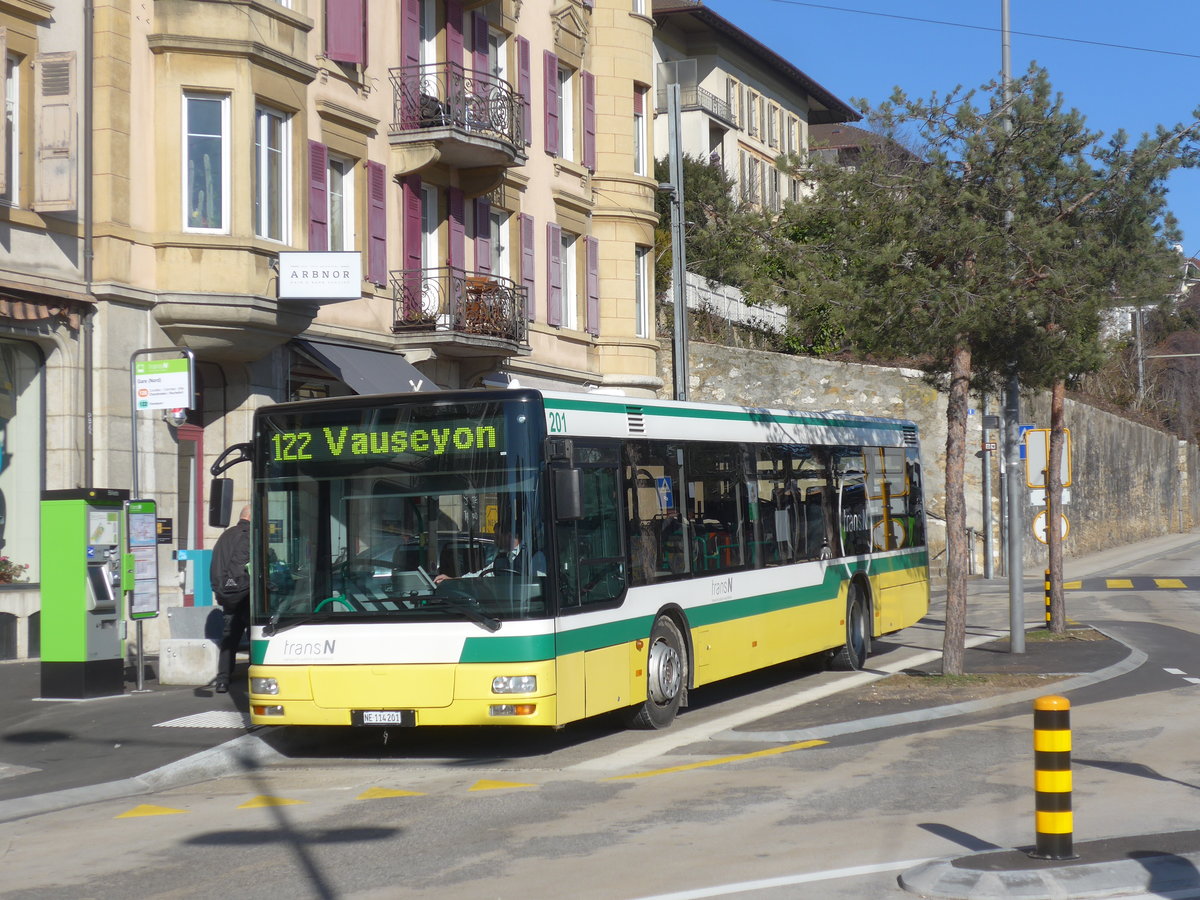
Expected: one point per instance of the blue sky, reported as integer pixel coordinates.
(865, 48)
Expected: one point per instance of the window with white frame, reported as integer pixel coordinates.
(271, 177)
(341, 203)
(570, 286)
(498, 55)
(640, 149)
(429, 31)
(566, 114)
(641, 291)
(501, 252)
(430, 217)
(205, 162)
(12, 122)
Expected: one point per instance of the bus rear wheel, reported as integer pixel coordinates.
(666, 677)
(853, 655)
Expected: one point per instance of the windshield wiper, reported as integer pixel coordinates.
(468, 607)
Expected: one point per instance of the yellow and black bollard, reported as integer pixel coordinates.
(1047, 598)
(1052, 778)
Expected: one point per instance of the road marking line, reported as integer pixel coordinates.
(485, 785)
(668, 741)
(1193, 680)
(1118, 583)
(148, 809)
(263, 800)
(783, 881)
(773, 751)
(217, 718)
(378, 793)
(1169, 583)
(1174, 671)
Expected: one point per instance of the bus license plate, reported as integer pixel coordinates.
(405, 718)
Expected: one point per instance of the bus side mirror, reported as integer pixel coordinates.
(220, 502)
(568, 495)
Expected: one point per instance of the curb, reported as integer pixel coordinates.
(243, 753)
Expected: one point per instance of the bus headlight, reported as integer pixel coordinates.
(514, 684)
(264, 686)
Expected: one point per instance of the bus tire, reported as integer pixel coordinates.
(666, 677)
(852, 656)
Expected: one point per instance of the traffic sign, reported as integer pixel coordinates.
(1039, 526)
(1037, 457)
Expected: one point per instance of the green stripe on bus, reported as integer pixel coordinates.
(522, 648)
(726, 415)
(258, 652)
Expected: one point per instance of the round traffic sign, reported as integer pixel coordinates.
(1039, 526)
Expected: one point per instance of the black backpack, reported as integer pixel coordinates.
(229, 574)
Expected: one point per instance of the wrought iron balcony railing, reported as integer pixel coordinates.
(452, 299)
(447, 95)
(694, 97)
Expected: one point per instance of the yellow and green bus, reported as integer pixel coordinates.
(522, 557)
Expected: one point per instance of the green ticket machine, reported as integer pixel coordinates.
(83, 576)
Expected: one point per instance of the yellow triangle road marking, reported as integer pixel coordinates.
(485, 785)
(147, 809)
(378, 793)
(263, 800)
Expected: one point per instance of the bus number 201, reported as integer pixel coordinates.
(558, 422)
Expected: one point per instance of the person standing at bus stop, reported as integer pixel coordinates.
(230, 577)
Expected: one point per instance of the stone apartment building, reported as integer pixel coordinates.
(487, 167)
(742, 104)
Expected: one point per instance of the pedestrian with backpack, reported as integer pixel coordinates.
(230, 577)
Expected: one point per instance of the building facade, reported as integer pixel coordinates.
(742, 104)
(485, 166)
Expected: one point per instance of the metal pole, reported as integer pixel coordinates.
(986, 480)
(678, 253)
(1012, 409)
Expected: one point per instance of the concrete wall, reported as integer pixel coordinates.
(1130, 482)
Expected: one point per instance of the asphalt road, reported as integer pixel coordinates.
(706, 808)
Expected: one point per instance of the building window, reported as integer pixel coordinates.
(430, 217)
(570, 286)
(341, 203)
(501, 252)
(205, 161)
(566, 115)
(271, 174)
(752, 113)
(641, 292)
(640, 150)
(12, 120)
(773, 126)
(21, 452)
(429, 32)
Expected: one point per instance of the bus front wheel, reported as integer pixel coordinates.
(853, 656)
(666, 677)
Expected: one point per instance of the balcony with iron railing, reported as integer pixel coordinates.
(463, 313)
(470, 119)
(695, 97)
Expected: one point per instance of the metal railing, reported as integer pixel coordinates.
(447, 95)
(454, 300)
(695, 97)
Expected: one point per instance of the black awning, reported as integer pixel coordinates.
(369, 371)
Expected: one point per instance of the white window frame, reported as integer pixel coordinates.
(341, 234)
(570, 280)
(501, 251)
(185, 181)
(640, 137)
(430, 220)
(498, 55)
(429, 32)
(12, 147)
(641, 292)
(272, 173)
(566, 114)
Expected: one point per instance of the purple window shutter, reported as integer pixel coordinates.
(344, 32)
(528, 261)
(454, 31)
(377, 223)
(458, 229)
(525, 89)
(411, 244)
(550, 71)
(483, 234)
(479, 42)
(588, 82)
(410, 56)
(318, 196)
(593, 285)
(554, 283)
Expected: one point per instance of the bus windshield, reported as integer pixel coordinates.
(417, 511)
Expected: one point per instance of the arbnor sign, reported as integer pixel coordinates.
(320, 276)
